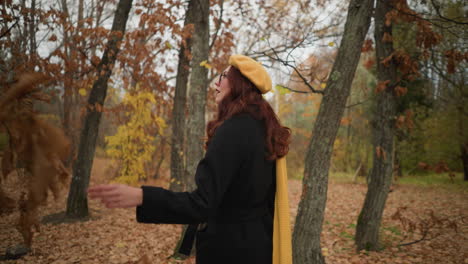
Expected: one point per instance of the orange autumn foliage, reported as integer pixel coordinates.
(382, 86)
(41, 147)
(367, 46)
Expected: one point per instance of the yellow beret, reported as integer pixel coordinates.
(253, 70)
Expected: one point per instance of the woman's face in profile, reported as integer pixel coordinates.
(222, 86)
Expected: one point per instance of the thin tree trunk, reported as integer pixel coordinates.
(77, 206)
(308, 227)
(158, 167)
(348, 153)
(464, 157)
(32, 31)
(198, 14)
(397, 162)
(462, 110)
(179, 109)
(356, 173)
(197, 90)
(68, 101)
(383, 130)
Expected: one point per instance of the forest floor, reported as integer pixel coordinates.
(113, 236)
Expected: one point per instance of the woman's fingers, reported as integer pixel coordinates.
(101, 191)
(113, 205)
(117, 195)
(101, 188)
(111, 199)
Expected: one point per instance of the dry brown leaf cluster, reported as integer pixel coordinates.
(35, 146)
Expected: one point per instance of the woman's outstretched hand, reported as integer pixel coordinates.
(117, 195)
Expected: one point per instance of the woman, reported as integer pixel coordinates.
(236, 183)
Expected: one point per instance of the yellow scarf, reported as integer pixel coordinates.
(282, 244)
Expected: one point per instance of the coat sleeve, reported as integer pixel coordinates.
(214, 173)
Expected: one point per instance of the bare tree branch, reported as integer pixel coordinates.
(218, 26)
(359, 103)
(437, 9)
(10, 28)
(288, 64)
(296, 91)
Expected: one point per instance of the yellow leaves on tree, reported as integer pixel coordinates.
(134, 143)
(281, 89)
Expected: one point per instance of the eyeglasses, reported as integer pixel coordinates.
(221, 76)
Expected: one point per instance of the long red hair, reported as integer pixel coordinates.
(244, 97)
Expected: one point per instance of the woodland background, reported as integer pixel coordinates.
(101, 91)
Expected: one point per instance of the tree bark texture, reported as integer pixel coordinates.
(32, 30)
(308, 227)
(70, 107)
(77, 204)
(383, 133)
(464, 157)
(462, 109)
(197, 90)
(179, 109)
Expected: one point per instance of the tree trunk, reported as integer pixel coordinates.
(69, 100)
(348, 158)
(397, 162)
(308, 227)
(383, 130)
(32, 31)
(77, 206)
(356, 173)
(198, 14)
(197, 90)
(462, 110)
(464, 157)
(179, 109)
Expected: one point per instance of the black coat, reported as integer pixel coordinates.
(234, 196)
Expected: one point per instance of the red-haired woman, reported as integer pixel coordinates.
(236, 180)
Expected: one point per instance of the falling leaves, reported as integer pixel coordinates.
(205, 64)
(41, 147)
(82, 92)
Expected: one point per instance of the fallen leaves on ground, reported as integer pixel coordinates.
(113, 236)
